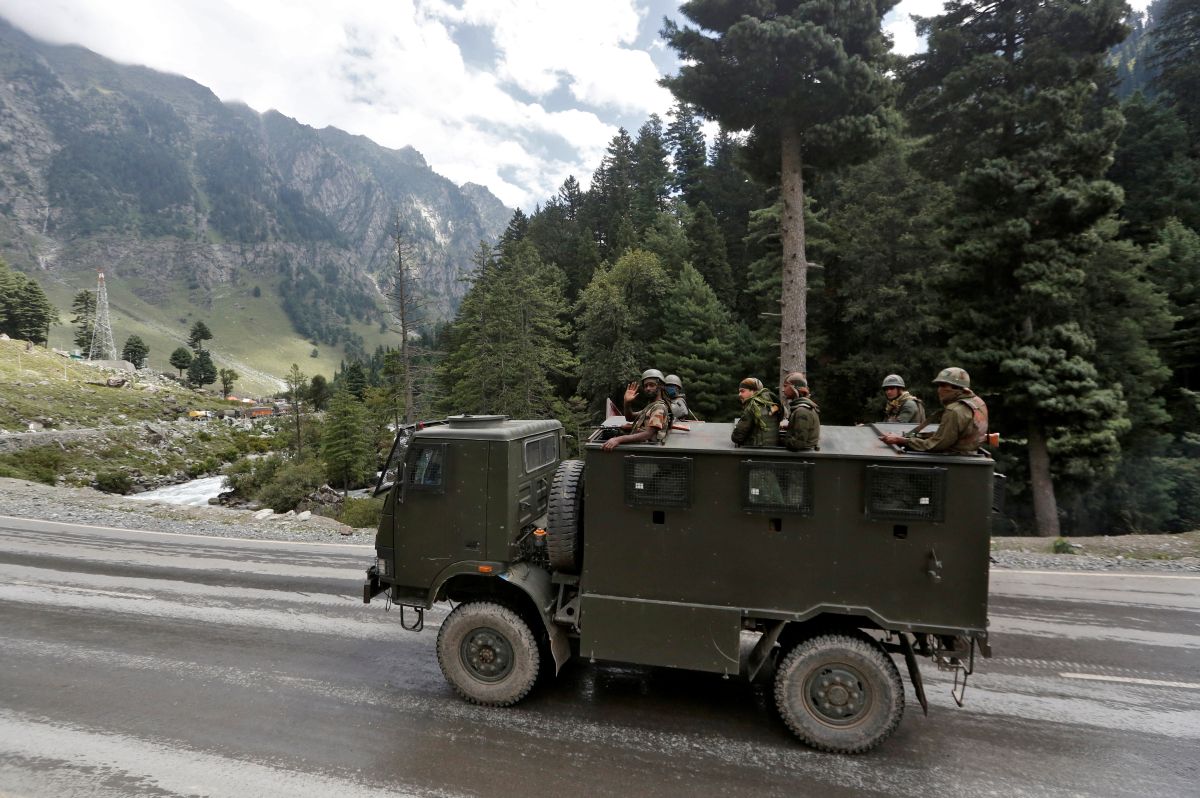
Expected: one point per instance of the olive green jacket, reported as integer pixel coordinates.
(759, 424)
(804, 425)
(961, 429)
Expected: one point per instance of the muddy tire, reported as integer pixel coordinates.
(564, 527)
(488, 654)
(839, 693)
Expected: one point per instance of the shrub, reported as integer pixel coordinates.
(113, 482)
(1062, 546)
(292, 481)
(247, 476)
(39, 464)
(360, 513)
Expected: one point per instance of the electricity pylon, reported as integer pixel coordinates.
(102, 347)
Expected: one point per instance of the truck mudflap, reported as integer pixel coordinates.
(372, 587)
(535, 583)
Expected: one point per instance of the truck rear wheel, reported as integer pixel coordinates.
(564, 525)
(839, 693)
(488, 653)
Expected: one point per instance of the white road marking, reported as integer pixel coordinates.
(1098, 677)
(213, 538)
(1094, 573)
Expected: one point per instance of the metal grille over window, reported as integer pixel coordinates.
(658, 481)
(777, 487)
(905, 494)
(427, 467)
(540, 452)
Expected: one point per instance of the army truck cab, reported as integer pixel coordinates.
(693, 554)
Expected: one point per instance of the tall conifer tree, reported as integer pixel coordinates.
(1008, 95)
(808, 79)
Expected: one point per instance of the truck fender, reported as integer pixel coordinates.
(535, 583)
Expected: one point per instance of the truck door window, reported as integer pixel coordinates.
(427, 467)
(540, 452)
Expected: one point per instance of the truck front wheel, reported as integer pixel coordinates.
(488, 654)
(839, 693)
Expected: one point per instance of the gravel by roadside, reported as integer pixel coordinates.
(87, 506)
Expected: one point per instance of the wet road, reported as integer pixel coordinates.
(143, 664)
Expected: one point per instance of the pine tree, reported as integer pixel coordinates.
(508, 345)
(1008, 95)
(1177, 57)
(650, 174)
(355, 379)
(296, 380)
(201, 371)
(346, 447)
(620, 318)
(689, 153)
(696, 345)
(181, 358)
(84, 308)
(808, 78)
(608, 208)
(707, 253)
(135, 351)
(199, 334)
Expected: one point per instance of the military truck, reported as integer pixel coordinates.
(695, 554)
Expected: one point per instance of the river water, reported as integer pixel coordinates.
(195, 493)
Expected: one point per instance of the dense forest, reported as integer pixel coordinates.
(1022, 200)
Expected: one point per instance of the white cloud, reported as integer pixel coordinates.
(393, 71)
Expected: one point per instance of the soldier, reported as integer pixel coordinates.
(964, 422)
(652, 422)
(804, 416)
(759, 424)
(676, 396)
(901, 406)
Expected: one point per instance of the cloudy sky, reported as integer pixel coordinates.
(512, 94)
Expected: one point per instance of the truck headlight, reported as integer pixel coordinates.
(383, 567)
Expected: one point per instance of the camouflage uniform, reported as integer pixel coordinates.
(905, 408)
(804, 425)
(759, 424)
(656, 415)
(961, 429)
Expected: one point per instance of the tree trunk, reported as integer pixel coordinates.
(1045, 506)
(793, 309)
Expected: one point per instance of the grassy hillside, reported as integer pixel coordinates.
(251, 334)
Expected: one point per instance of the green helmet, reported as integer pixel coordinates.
(893, 381)
(673, 379)
(953, 376)
(652, 373)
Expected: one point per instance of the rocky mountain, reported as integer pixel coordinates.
(187, 201)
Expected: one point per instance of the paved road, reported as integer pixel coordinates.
(144, 664)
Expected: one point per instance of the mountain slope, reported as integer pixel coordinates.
(189, 204)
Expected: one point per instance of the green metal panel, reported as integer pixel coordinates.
(792, 565)
(657, 633)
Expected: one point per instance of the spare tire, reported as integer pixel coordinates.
(564, 527)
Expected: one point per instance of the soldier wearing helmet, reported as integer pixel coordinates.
(901, 406)
(804, 416)
(964, 422)
(673, 386)
(652, 423)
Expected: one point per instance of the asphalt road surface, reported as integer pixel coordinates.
(150, 664)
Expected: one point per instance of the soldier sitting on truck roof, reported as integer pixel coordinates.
(901, 406)
(804, 416)
(678, 399)
(964, 422)
(759, 423)
(653, 422)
